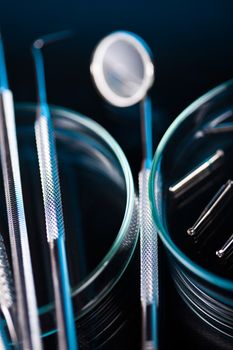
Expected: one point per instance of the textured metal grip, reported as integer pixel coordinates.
(6, 280)
(45, 141)
(148, 242)
(49, 177)
(27, 315)
(7, 295)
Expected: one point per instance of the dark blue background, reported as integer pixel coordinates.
(193, 49)
(191, 41)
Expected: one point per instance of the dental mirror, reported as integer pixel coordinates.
(123, 72)
(122, 68)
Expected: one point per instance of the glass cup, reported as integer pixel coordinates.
(100, 215)
(201, 131)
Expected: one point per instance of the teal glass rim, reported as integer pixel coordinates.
(94, 127)
(164, 235)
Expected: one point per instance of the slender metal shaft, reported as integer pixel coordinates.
(224, 128)
(213, 209)
(28, 321)
(200, 173)
(146, 127)
(46, 148)
(148, 241)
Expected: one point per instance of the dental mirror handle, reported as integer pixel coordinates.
(149, 266)
(146, 127)
(148, 238)
(123, 72)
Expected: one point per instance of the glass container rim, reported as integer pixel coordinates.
(130, 191)
(164, 235)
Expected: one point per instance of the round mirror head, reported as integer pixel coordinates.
(122, 69)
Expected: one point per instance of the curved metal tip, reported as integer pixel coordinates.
(45, 40)
(37, 47)
(219, 253)
(191, 231)
(38, 43)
